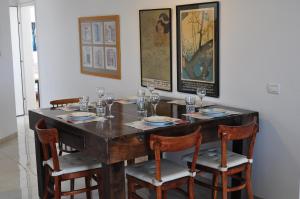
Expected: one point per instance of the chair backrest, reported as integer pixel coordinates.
(172, 144)
(48, 139)
(232, 133)
(61, 102)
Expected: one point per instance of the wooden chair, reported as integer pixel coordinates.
(66, 167)
(162, 174)
(225, 163)
(63, 148)
(62, 102)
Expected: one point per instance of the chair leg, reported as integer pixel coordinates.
(164, 194)
(215, 184)
(72, 185)
(47, 178)
(158, 192)
(88, 185)
(130, 187)
(248, 182)
(57, 188)
(191, 188)
(100, 184)
(224, 185)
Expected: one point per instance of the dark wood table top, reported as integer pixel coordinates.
(115, 128)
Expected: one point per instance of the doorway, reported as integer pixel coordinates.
(25, 58)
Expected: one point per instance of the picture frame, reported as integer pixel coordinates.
(198, 47)
(99, 39)
(156, 48)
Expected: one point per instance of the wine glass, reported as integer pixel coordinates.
(201, 92)
(109, 99)
(100, 92)
(154, 100)
(151, 87)
(141, 92)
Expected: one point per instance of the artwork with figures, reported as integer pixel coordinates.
(100, 46)
(197, 48)
(155, 48)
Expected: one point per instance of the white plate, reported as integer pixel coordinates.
(158, 119)
(212, 111)
(81, 118)
(82, 114)
(159, 123)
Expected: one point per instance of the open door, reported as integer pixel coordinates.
(25, 59)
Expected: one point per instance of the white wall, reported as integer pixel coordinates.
(15, 42)
(8, 123)
(259, 43)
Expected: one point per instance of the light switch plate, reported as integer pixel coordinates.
(273, 88)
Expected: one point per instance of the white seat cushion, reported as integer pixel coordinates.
(74, 162)
(169, 171)
(212, 158)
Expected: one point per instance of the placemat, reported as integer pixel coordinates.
(199, 115)
(198, 103)
(142, 125)
(66, 118)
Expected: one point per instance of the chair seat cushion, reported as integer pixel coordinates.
(74, 162)
(169, 171)
(212, 158)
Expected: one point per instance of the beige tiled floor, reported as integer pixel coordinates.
(18, 173)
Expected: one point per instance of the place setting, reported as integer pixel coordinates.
(81, 117)
(201, 93)
(141, 92)
(204, 112)
(146, 122)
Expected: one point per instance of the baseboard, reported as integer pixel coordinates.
(256, 197)
(8, 138)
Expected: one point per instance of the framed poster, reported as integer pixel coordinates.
(156, 48)
(100, 46)
(198, 47)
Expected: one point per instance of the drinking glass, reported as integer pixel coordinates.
(151, 87)
(201, 92)
(100, 92)
(109, 99)
(190, 102)
(141, 92)
(101, 108)
(141, 103)
(83, 103)
(154, 100)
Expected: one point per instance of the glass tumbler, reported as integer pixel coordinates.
(141, 103)
(83, 103)
(190, 104)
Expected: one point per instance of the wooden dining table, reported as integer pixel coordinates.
(113, 142)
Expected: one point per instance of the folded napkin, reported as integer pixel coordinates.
(66, 118)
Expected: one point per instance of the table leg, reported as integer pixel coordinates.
(114, 181)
